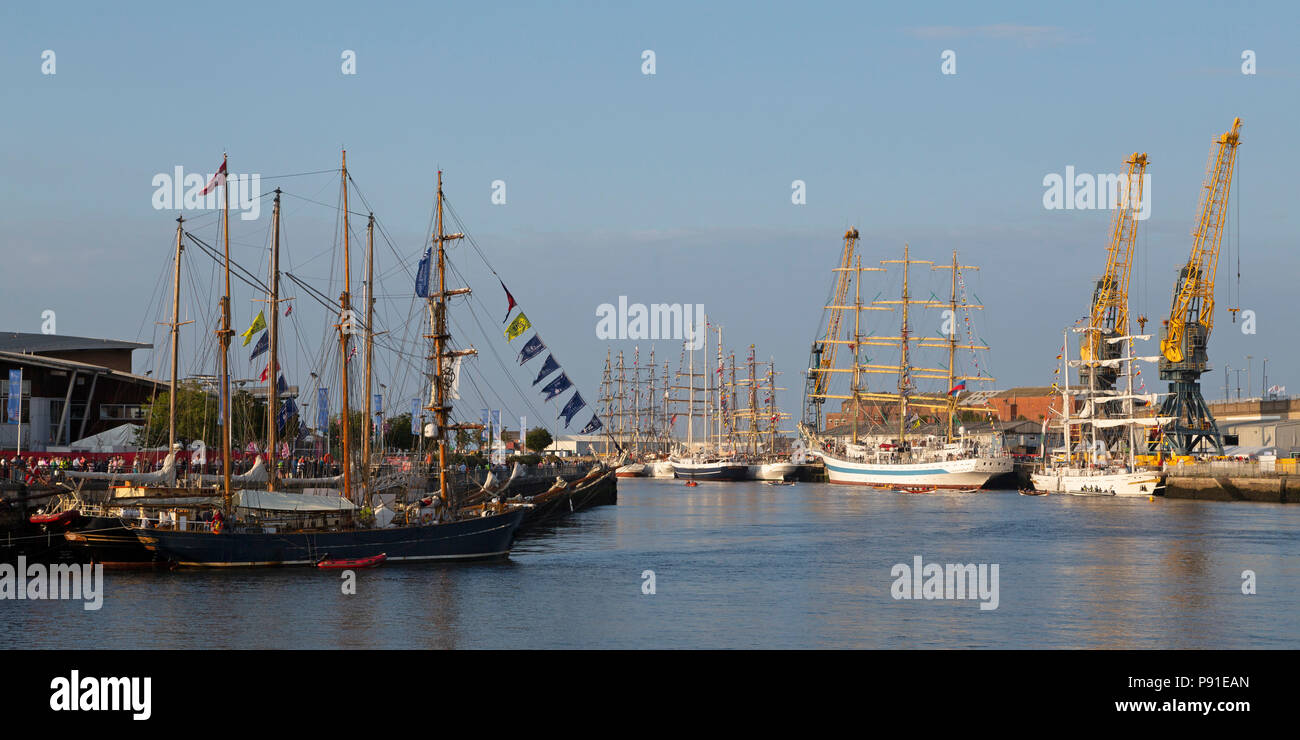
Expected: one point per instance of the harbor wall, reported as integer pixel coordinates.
(1280, 489)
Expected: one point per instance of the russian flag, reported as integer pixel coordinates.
(957, 388)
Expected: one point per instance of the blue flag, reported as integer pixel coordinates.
(548, 367)
(13, 414)
(263, 344)
(482, 433)
(532, 349)
(323, 408)
(288, 410)
(557, 386)
(415, 416)
(574, 405)
(592, 425)
(281, 385)
(422, 274)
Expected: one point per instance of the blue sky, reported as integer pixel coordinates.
(666, 188)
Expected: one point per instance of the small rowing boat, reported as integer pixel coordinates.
(328, 563)
(912, 489)
(1032, 492)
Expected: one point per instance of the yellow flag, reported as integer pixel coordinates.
(259, 324)
(517, 327)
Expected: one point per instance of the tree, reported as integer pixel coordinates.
(538, 439)
(399, 432)
(197, 416)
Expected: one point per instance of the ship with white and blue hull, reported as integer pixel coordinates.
(898, 458)
(708, 469)
(965, 473)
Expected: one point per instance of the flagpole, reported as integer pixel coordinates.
(225, 333)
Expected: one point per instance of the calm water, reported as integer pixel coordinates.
(745, 565)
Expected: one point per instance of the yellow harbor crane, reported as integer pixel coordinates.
(1109, 315)
(1186, 332)
(822, 356)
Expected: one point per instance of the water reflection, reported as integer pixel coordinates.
(748, 565)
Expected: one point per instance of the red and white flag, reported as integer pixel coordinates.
(217, 179)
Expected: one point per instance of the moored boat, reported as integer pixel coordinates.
(714, 470)
(899, 457)
(331, 563)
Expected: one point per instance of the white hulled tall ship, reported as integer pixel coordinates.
(1100, 442)
(894, 458)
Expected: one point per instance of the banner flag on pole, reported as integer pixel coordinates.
(258, 324)
(523, 429)
(557, 386)
(323, 408)
(592, 425)
(531, 349)
(422, 274)
(509, 298)
(415, 416)
(574, 405)
(548, 367)
(14, 414)
(482, 434)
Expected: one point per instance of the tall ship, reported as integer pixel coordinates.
(709, 458)
(891, 454)
(754, 422)
(262, 523)
(1101, 442)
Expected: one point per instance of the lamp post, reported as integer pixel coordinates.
(1249, 376)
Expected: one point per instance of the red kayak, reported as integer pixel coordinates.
(63, 517)
(329, 563)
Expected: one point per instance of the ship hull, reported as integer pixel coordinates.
(1110, 484)
(485, 538)
(660, 469)
(631, 470)
(771, 471)
(964, 473)
(109, 542)
(719, 471)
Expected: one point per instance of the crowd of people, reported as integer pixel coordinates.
(37, 469)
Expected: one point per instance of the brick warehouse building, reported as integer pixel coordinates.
(1032, 403)
(73, 387)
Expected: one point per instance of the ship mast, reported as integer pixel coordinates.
(176, 336)
(951, 339)
(224, 334)
(369, 353)
(857, 348)
(438, 325)
(345, 328)
(273, 373)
